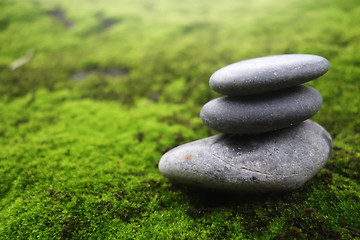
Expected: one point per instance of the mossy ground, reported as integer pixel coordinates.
(114, 84)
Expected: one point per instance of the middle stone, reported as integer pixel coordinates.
(261, 112)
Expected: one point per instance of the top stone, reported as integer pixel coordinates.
(266, 74)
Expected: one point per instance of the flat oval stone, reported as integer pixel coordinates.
(261, 112)
(267, 74)
(274, 161)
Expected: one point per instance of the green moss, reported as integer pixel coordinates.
(115, 84)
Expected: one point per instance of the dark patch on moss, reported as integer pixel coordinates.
(354, 232)
(357, 127)
(106, 22)
(52, 192)
(258, 213)
(325, 177)
(179, 138)
(4, 23)
(165, 149)
(140, 136)
(128, 214)
(106, 205)
(154, 97)
(59, 14)
(311, 224)
(120, 194)
(257, 226)
(68, 152)
(298, 197)
(162, 203)
(60, 196)
(292, 233)
(111, 72)
(20, 121)
(116, 211)
(72, 226)
(194, 213)
(138, 173)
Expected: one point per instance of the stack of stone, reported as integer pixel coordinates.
(267, 143)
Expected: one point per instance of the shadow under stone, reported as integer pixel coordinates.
(201, 198)
(206, 200)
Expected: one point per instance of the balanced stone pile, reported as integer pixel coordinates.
(267, 142)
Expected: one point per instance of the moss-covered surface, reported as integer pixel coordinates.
(112, 85)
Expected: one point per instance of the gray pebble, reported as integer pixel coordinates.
(275, 161)
(261, 112)
(267, 74)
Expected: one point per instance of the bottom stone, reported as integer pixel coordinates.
(281, 160)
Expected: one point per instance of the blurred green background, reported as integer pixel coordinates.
(93, 92)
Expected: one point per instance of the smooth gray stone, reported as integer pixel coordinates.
(267, 74)
(261, 112)
(275, 161)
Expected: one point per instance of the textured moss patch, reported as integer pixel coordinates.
(84, 169)
(113, 85)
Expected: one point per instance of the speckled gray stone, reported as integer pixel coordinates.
(261, 112)
(267, 74)
(275, 161)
